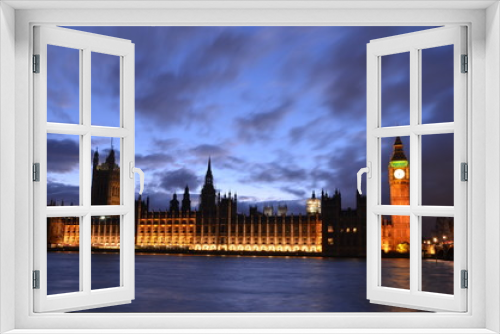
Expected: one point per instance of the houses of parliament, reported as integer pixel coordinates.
(217, 226)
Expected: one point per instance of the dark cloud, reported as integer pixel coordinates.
(259, 125)
(294, 191)
(341, 74)
(63, 84)
(175, 180)
(59, 192)
(340, 170)
(168, 144)
(437, 95)
(175, 96)
(275, 172)
(232, 162)
(153, 161)
(207, 150)
(105, 76)
(63, 156)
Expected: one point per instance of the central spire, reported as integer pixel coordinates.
(209, 179)
(207, 198)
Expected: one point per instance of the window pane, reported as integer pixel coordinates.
(63, 170)
(105, 171)
(437, 169)
(437, 254)
(395, 177)
(437, 84)
(105, 90)
(395, 94)
(395, 244)
(105, 252)
(63, 255)
(63, 85)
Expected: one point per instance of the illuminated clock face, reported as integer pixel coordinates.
(399, 174)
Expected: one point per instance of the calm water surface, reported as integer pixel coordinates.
(177, 283)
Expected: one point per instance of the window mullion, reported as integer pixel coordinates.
(415, 174)
(85, 184)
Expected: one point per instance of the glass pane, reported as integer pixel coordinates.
(105, 89)
(63, 170)
(63, 85)
(437, 254)
(437, 84)
(105, 171)
(63, 255)
(105, 252)
(437, 169)
(395, 244)
(395, 177)
(395, 94)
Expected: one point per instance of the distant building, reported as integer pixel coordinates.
(313, 205)
(325, 229)
(344, 231)
(268, 210)
(105, 180)
(282, 210)
(218, 226)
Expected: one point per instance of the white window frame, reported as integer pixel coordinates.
(483, 20)
(85, 44)
(414, 43)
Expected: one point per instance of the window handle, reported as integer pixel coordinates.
(134, 170)
(368, 171)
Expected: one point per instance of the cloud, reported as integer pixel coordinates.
(294, 191)
(340, 75)
(63, 156)
(62, 192)
(259, 125)
(171, 181)
(153, 161)
(62, 85)
(206, 150)
(232, 162)
(276, 172)
(167, 144)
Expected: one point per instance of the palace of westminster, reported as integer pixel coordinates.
(217, 226)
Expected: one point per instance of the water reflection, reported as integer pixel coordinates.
(176, 283)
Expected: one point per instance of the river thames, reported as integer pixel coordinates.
(186, 283)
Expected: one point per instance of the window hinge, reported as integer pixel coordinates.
(464, 171)
(465, 64)
(36, 172)
(465, 279)
(36, 63)
(36, 279)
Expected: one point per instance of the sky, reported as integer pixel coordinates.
(281, 111)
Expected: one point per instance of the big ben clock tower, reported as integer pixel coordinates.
(399, 184)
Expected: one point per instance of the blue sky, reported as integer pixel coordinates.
(280, 110)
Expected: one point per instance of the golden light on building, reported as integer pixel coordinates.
(313, 205)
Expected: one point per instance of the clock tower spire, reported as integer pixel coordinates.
(399, 175)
